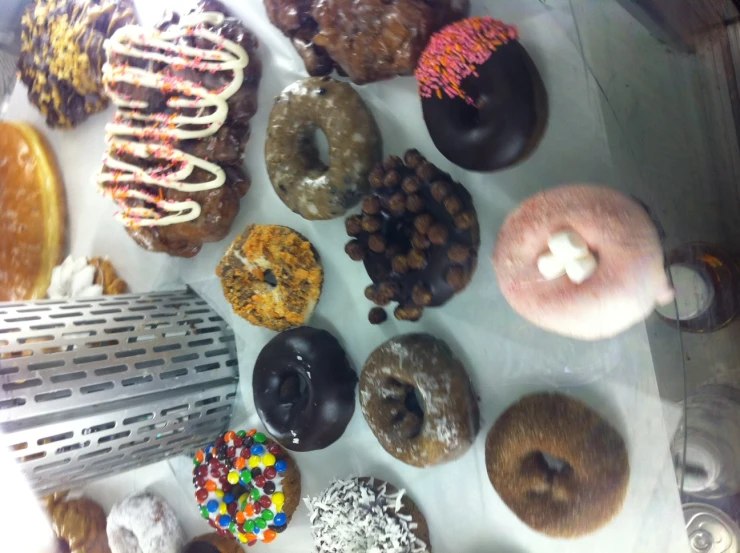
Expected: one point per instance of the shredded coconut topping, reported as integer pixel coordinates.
(350, 516)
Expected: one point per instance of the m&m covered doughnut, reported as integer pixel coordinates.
(247, 486)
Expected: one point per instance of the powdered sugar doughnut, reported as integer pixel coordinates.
(613, 286)
(144, 523)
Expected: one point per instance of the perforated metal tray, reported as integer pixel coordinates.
(96, 386)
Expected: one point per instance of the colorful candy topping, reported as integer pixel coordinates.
(352, 516)
(455, 53)
(191, 111)
(238, 485)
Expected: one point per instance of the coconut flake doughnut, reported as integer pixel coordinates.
(144, 523)
(613, 285)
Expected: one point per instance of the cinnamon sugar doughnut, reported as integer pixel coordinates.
(144, 523)
(622, 273)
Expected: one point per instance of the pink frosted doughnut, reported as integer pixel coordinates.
(628, 283)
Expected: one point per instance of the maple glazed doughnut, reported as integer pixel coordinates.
(583, 261)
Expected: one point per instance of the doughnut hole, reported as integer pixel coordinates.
(406, 408)
(547, 475)
(62, 546)
(292, 388)
(270, 278)
(314, 147)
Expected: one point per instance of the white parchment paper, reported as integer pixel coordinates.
(505, 356)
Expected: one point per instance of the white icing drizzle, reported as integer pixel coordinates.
(152, 139)
(351, 517)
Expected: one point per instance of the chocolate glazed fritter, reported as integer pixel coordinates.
(366, 40)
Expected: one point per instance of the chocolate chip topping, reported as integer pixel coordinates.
(355, 250)
(353, 225)
(377, 315)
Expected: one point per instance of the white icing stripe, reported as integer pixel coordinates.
(153, 45)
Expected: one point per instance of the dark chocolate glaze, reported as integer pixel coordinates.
(304, 388)
(398, 230)
(508, 122)
(200, 547)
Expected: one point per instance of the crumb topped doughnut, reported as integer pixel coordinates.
(483, 99)
(144, 523)
(583, 261)
(300, 178)
(418, 237)
(558, 465)
(360, 515)
(271, 276)
(247, 486)
(418, 400)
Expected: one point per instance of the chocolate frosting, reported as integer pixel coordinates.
(304, 388)
(506, 125)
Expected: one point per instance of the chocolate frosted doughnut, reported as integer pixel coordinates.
(418, 400)
(304, 388)
(418, 236)
(558, 465)
(212, 543)
(484, 103)
(301, 180)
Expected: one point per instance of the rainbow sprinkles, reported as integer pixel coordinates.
(197, 113)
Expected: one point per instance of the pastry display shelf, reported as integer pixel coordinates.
(505, 356)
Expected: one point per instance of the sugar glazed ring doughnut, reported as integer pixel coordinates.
(272, 277)
(301, 180)
(418, 236)
(582, 485)
(247, 486)
(144, 523)
(418, 400)
(582, 261)
(304, 388)
(367, 514)
(79, 524)
(484, 103)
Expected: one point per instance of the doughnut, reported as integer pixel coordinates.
(212, 543)
(83, 278)
(483, 100)
(62, 55)
(304, 388)
(607, 271)
(144, 523)
(366, 40)
(300, 178)
(79, 524)
(418, 237)
(367, 514)
(271, 276)
(33, 228)
(418, 400)
(558, 465)
(247, 486)
(184, 93)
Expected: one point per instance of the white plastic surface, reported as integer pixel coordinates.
(505, 356)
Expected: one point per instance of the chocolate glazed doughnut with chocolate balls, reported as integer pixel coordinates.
(304, 388)
(418, 236)
(484, 103)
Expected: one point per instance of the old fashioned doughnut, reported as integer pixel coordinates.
(367, 514)
(484, 103)
(62, 55)
(418, 236)
(33, 226)
(367, 40)
(79, 524)
(184, 94)
(418, 400)
(304, 388)
(247, 486)
(85, 278)
(212, 543)
(144, 523)
(558, 465)
(301, 180)
(272, 277)
(582, 261)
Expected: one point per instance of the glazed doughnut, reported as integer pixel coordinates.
(484, 103)
(272, 276)
(418, 400)
(144, 523)
(367, 514)
(418, 237)
(583, 483)
(247, 486)
(79, 524)
(301, 180)
(614, 285)
(212, 543)
(304, 388)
